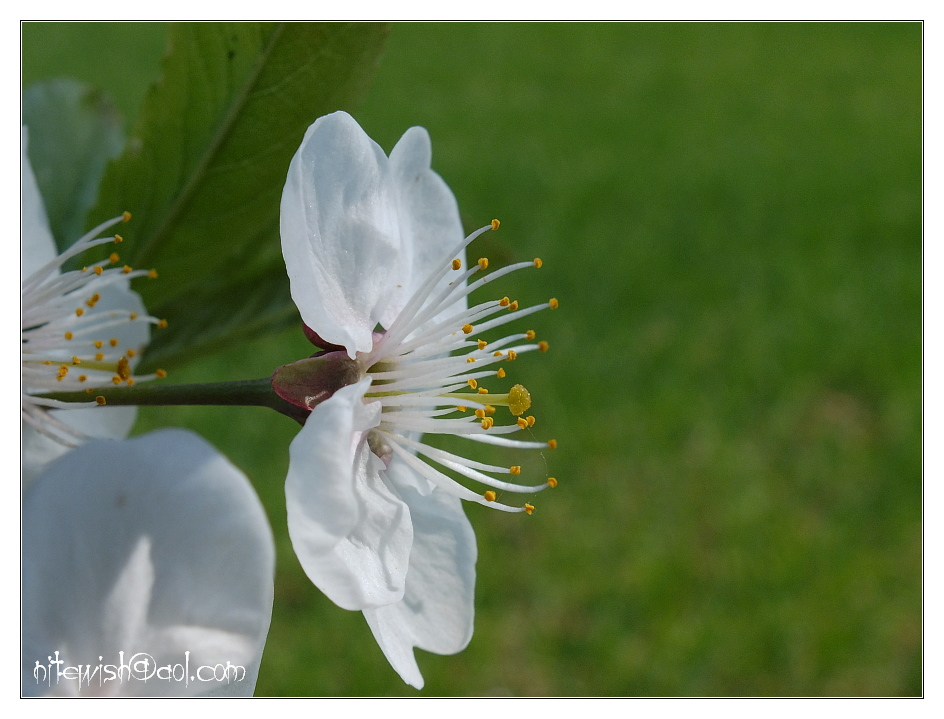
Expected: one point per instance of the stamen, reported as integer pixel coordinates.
(551, 482)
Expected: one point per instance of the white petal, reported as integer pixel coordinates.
(36, 240)
(155, 544)
(352, 534)
(437, 610)
(429, 218)
(340, 237)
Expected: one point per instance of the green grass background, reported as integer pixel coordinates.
(730, 215)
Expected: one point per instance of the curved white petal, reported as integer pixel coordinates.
(155, 544)
(429, 219)
(36, 241)
(340, 236)
(351, 534)
(437, 610)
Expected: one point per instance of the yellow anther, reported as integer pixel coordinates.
(504, 302)
(125, 216)
(82, 378)
(162, 324)
(467, 329)
(470, 360)
(490, 496)
(462, 408)
(489, 409)
(530, 335)
(99, 357)
(538, 263)
(473, 384)
(116, 379)
(113, 341)
(531, 420)
(152, 274)
(161, 374)
(487, 423)
(85, 269)
(79, 312)
(483, 263)
(98, 344)
(480, 413)
(528, 508)
(124, 368)
(481, 343)
(543, 346)
(113, 258)
(100, 399)
(456, 264)
(76, 360)
(552, 443)
(126, 269)
(497, 354)
(68, 335)
(133, 316)
(551, 482)
(512, 355)
(522, 422)
(495, 224)
(131, 353)
(89, 391)
(482, 390)
(93, 300)
(119, 239)
(64, 370)
(553, 303)
(501, 372)
(129, 381)
(513, 306)
(519, 399)
(98, 270)
(515, 469)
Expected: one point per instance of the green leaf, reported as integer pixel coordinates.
(74, 130)
(204, 168)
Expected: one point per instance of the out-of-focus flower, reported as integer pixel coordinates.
(147, 570)
(376, 257)
(80, 328)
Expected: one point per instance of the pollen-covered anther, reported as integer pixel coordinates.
(483, 263)
(528, 508)
(553, 303)
(515, 469)
(133, 316)
(522, 422)
(124, 368)
(79, 312)
(470, 360)
(76, 360)
(488, 423)
(530, 335)
(482, 344)
(116, 379)
(457, 264)
(99, 356)
(462, 408)
(161, 374)
(473, 384)
(125, 216)
(113, 258)
(496, 354)
(82, 378)
(490, 496)
(93, 300)
(490, 409)
(119, 239)
(552, 444)
(538, 263)
(113, 341)
(512, 355)
(129, 381)
(467, 329)
(513, 306)
(531, 420)
(495, 224)
(504, 302)
(482, 390)
(543, 346)
(127, 269)
(519, 400)
(501, 372)
(551, 482)
(131, 353)
(480, 413)
(100, 400)
(152, 274)
(98, 270)
(68, 335)
(162, 324)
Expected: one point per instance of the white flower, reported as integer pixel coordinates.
(80, 328)
(374, 242)
(154, 546)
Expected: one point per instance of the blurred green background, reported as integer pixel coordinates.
(730, 215)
